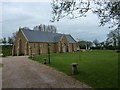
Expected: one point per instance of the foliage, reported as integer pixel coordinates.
(0, 41)
(97, 68)
(4, 41)
(96, 42)
(10, 40)
(7, 50)
(113, 37)
(107, 11)
(46, 28)
(63, 8)
(85, 44)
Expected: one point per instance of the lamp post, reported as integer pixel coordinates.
(48, 53)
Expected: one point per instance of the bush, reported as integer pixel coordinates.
(118, 51)
(3, 55)
(7, 50)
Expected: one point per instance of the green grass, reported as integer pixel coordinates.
(98, 68)
(7, 50)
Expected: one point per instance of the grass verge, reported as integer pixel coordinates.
(97, 68)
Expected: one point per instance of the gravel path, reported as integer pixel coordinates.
(20, 72)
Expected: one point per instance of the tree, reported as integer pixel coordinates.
(89, 44)
(107, 11)
(84, 44)
(96, 42)
(63, 8)
(0, 41)
(110, 13)
(4, 41)
(10, 40)
(102, 45)
(14, 36)
(46, 28)
(113, 38)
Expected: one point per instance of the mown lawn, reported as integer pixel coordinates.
(97, 68)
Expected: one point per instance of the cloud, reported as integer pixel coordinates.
(30, 14)
(23, 14)
(26, 0)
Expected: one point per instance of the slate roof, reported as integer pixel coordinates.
(39, 36)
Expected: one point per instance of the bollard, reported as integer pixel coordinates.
(45, 61)
(74, 68)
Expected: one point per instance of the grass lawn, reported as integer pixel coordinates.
(97, 68)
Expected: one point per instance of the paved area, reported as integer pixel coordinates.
(20, 72)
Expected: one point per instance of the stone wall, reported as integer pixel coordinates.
(19, 45)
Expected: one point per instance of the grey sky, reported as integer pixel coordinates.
(30, 14)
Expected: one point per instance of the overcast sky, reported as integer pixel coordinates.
(30, 14)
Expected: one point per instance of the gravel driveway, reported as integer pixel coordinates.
(20, 72)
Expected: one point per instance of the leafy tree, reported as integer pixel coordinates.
(84, 44)
(89, 44)
(107, 11)
(0, 41)
(96, 42)
(110, 13)
(14, 36)
(10, 40)
(4, 41)
(113, 38)
(102, 45)
(46, 28)
(63, 8)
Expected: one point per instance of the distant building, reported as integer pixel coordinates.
(36, 42)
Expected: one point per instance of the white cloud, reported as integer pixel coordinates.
(0, 20)
(25, 0)
(31, 14)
